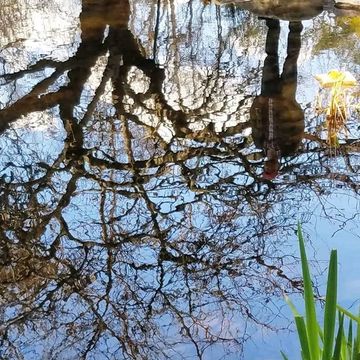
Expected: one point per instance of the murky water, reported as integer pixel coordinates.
(156, 157)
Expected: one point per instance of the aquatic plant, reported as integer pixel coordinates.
(337, 103)
(329, 342)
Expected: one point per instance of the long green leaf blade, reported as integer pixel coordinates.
(304, 343)
(344, 349)
(349, 314)
(291, 306)
(330, 307)
(338, 341)
(350, 339)
(356, 348)
(353, 355)
(311, 322)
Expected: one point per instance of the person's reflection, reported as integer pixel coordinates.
(277, 120)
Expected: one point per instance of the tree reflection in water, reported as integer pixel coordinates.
(140, 228)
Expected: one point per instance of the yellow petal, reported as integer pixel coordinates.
(336, 78)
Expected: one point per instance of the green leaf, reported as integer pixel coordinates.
(321, 333)
(356, 347)
(330, 307)
(344, 352)
(301, 329)
(348, 314)
(291, 306)
(350, 340)
(338, 341)
(284, 356)
(311, 322)
(355, 351)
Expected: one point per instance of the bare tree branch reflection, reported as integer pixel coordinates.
(142, 229)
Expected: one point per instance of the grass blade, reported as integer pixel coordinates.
(355, 353)
(291, 306)
(284, 356)
(348, 314)
(350, 340)
(344, 350)
(356, 348)
(311, 322)
(330, 307)
(304, 343)
(338, 341)
(301, 329)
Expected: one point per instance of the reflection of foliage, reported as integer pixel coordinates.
(350, 25)
(330, 38)
(339, 36)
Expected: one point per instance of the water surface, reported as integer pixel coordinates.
(156, 157)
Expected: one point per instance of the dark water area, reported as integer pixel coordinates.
(155, 159)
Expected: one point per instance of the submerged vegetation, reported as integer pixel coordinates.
(329, 342)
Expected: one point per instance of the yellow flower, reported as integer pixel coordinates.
(336, 78)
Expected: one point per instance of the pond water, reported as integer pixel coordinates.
(156, 157)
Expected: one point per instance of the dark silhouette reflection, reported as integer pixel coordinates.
(277, 119)
(117, 242)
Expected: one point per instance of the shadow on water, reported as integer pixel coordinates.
(277, 119)
(140, 219)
